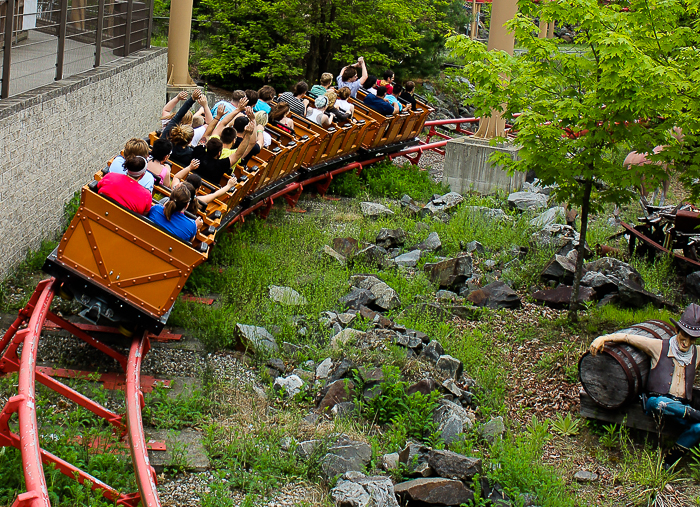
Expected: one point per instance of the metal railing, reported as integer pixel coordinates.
(47, 40)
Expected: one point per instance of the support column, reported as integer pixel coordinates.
(179, 33)
(501, 39)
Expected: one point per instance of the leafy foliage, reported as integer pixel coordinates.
(566, 426)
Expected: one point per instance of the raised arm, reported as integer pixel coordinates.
(167, 109)
(206, 199)
(202, 101)
(396, 107)
(243, 147)
(364, 71)
(180, 114)
(215, 122)
(182, 173)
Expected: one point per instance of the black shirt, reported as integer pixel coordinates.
(182, 155)
(211, 170)
(409, 98)
(253, 152)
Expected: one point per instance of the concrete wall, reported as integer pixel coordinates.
(467, 167)
(54, 138)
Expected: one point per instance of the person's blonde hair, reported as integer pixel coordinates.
(331, 98)
(197, 121)
(186, 120)
(261, 118)
(135, 147)
(344, 93)
(326, 78)
(181, 135)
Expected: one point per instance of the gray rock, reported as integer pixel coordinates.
(346, 318)
(290, 385)
(432, 351)
(527, 201)
(349, 456)
(434, 491)
(391, 238)
(277, 364)
(450, 366)
(286, 443)
(290, 348)
(425, 387)
(338, 391)
(286, 296)
(311, 419)
(450, 273)
(390, 461)
(372, 255)
(615, 270)
(413, 456)
(548, 217)
(488, 265)
(307, 448)
(409, 259)
(385, 297)
(324, 369)
(474, 246)
(596, 280)
(256, 338)
(452, 420)
(559, 268)
(452, 388)
(431, 243)
(356, 490)
(487, 213)
(345, 337)
(374, 210)
(583, 476)
(347, 247)
(493, 429)
(633, 295)
(495, 295)
(357, 298)
(451, 465)
(446, 296)
(409, 204)
(329, 253)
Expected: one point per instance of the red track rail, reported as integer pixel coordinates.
(34, 315)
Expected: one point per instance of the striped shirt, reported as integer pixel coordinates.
(295, 105)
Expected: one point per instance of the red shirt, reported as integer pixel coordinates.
(126, 191)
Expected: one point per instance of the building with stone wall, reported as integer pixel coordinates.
(54, 138)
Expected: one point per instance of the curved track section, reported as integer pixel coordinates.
(34, 316)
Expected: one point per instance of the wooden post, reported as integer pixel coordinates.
(7, 54)
(475, 21)
(149, 30)
(179, 32)
(99, 30)
(60, 53)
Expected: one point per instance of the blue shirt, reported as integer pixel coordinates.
(147, 180)
(393, 100)
(179, 225)
(379, 105)
(354, 86)
(227, 105)
(262, 106)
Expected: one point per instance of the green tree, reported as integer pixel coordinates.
(279, 41)
(634, 79)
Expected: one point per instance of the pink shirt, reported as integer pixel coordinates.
(126, 191)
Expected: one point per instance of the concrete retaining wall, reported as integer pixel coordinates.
(467, 167)
(54, 138)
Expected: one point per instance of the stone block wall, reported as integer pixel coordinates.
(53, 139)
(467, 167)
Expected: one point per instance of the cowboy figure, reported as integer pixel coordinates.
(670, 384)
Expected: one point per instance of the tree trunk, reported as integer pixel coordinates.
(581, 250)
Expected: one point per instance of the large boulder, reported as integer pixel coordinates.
(255, 338)
(615, 270)
(560, 268)
(452, 420)
(495, 295)
(408, 260)
(527, 201)
(357, 298)
(346, 456)
(354, 489)
(692, 283)
(547, 217)
(375, 210)
(451, 465)
(386, 298)
(450, 273)
(434, 491)
(391, 238)
(561, 296)
(442, 203)
(430, 244)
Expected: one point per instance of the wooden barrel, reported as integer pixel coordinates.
(619, 374)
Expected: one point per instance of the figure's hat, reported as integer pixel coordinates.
(690, 321)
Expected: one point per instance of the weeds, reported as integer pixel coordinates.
(566, 426)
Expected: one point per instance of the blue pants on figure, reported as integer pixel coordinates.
(679, 412)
